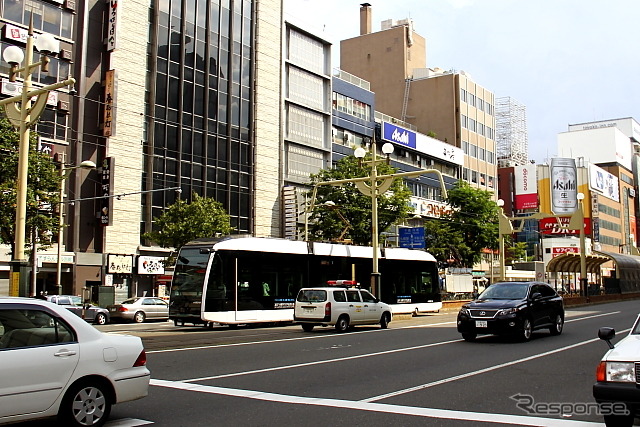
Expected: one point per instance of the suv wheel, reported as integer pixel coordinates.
(342, 325)
(556, 328)
(307, 327)
(384, 321)
(527, 329)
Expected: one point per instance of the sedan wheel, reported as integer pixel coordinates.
(85, 405)
(139, 317)
(100, 319)
(556, 328)
(527, 329)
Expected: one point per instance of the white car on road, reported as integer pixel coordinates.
(342, 305)
(53, 363)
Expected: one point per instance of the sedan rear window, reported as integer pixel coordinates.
(312, 295)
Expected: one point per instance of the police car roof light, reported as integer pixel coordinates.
(346, 283)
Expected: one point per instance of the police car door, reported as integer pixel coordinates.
(371, 308)
(356, 306)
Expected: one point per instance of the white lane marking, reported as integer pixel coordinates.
(204, 347)
(319, 362)
(482, 371)
(377, 407)
(127, 422)
(594, 316)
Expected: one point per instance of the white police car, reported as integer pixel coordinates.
(617, 387)
(341, 304)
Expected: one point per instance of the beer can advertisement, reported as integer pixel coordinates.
(564, 185)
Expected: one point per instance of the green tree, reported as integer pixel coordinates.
(444, 242)
(43, 185)
(183, 221)
(326, 223)
(515, 251)
(474, 218)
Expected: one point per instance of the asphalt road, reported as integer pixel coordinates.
(417, 372)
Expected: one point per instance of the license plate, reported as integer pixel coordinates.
(481, 323)
(309, 310)
(113, 309)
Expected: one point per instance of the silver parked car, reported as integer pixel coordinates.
(139, 309)
(89, 312)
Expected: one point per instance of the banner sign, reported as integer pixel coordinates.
(604, 183)
(550, 226)
(398, 135)
(106, 184)
(119, 264)
(526, 187)
(150, 265)
(564, 185)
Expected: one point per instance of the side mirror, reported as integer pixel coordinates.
(536, 296)
(607, 334)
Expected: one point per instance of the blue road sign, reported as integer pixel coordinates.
(412, 237)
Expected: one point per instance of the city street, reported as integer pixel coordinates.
(417, 372)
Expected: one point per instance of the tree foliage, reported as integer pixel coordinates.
(472, 225)
(183, 221)
(43, 189)
(325, 222)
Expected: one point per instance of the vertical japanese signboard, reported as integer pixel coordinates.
(564, 186)
(108, 122)
(106, 184)
(112, 25)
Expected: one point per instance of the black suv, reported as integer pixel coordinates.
(516, 308)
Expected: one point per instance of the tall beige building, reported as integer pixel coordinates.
(447, 104)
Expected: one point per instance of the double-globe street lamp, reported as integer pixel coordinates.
(23, 114)
(374, 185)
(64, 174)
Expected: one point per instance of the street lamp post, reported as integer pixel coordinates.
(577, 222)
(87, 164)
(504, 228)
(22, 115)
(374, 188)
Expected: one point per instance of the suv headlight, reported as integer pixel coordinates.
(464, 310)
(620, 372)
(506, 311)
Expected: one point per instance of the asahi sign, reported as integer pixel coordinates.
(564, 185)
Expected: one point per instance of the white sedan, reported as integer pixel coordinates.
(52, 363)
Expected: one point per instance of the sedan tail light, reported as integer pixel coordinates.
(601, 372)
(122, 309)
(141, 360)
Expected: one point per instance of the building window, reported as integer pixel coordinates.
(48, 18)
(306, 52)
(302, 162)
(306, 88)
(305, 126)
(353, 107)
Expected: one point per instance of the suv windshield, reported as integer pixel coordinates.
(312, 295)
(505, 291)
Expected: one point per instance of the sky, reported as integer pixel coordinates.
(566, 61)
